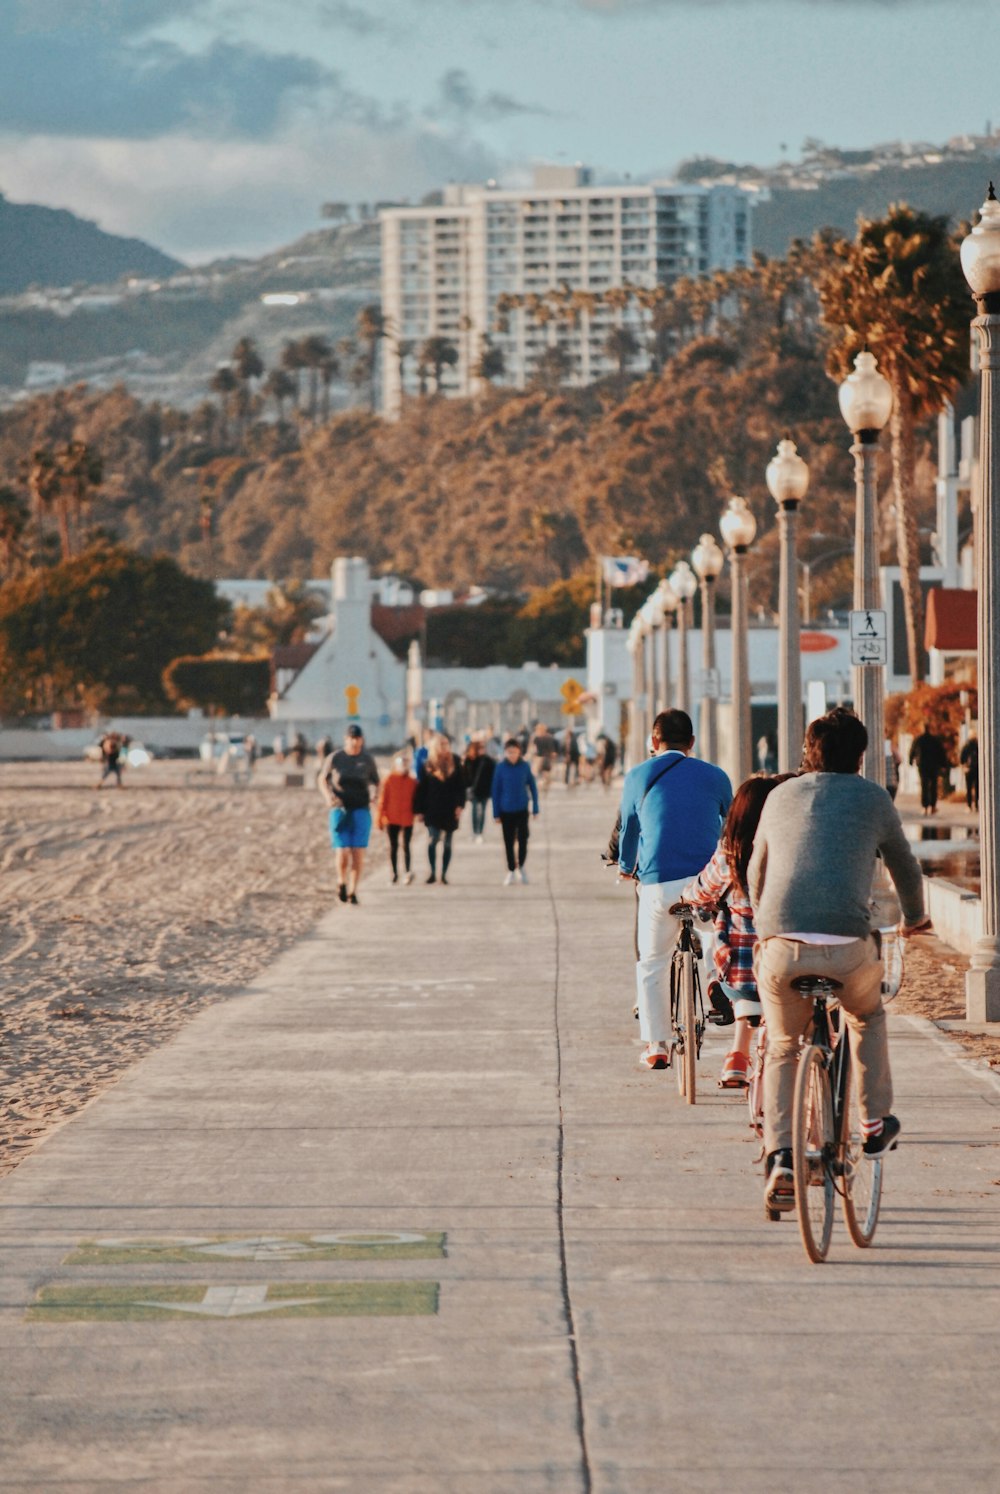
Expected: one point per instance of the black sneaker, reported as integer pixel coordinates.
(342, 892)
(721, 1014)
(779, 1190)
(885, 1141)
(353, 899)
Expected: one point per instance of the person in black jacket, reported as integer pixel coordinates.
(439, 801)
(478, 769)
(930, 758)
(969, 758)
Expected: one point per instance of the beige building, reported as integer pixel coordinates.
(445, 267)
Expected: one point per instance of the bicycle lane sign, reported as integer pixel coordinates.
(869, 636)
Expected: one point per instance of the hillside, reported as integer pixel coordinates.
(514, 491)
(49, 246)
(164, 340)
(952, 188)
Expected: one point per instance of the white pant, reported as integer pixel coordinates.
(656, 935)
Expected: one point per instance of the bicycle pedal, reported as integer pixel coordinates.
(719, 1019)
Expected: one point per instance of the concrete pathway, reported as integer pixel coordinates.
(406, 1216)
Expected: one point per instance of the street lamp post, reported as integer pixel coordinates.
(787, 480)
(981, 263)
(738, 527)
(684, 584)
(669, 603)
(637, 705)
(866, 404)
(708, 560)
(652, 616)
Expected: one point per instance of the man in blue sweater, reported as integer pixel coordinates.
(673, 806)
(513, 782)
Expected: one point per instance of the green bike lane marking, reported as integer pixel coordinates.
(158, 1302)
(328, 1245)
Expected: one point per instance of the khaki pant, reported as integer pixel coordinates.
(858, 968)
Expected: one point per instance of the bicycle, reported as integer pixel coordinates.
(688, 1018)
(827, 1140)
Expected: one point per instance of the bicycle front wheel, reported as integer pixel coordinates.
(862, 1179)
(813, 1149)
(688, 1055)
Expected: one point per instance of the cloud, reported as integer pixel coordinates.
(86, 79)
(199, 198)
(458, 100)
(350, 17)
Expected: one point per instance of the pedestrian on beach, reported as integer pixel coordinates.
(395, 815)
(928, 754)
(544, 749)
(722, 884)
(478, 769)
(111, 755)
(439, 801)
(514, 786)
(673, 807)
(346, 780)
(969, 758)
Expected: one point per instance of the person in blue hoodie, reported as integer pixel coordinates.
(513, 785)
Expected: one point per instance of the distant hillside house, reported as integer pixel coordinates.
(445, 266)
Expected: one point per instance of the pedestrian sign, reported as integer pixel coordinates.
(869, 636)
(571, 692)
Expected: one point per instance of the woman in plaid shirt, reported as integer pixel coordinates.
(722, 885)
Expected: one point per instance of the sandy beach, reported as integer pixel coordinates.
(122, 914)
(125, 912)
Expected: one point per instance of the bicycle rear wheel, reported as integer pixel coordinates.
(813, 1148)
(687, 1058)
(862, 1182)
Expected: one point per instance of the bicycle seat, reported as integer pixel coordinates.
(812, 982)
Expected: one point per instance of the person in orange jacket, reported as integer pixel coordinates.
(395, 814)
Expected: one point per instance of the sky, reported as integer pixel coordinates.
(211, 127)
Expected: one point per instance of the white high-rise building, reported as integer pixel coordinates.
(445, 268)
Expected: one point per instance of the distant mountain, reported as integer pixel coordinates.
(49, 246)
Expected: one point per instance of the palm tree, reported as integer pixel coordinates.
(248, 366)
(552, 367)
(44, 481)
(490, 363)
(81, 470)
(621, 345)
(899, 290)
(402, 349)
(438, 353)
(13, 526)
(329, 368)
(372, 326)
(280, 386)
(314, 351)
(293, 363)
(223, 383)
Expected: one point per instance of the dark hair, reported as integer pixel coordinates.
(512, 742)
(835, 743)
(742, 821)
(673, 727)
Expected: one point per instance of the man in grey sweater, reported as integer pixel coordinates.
(810, 883)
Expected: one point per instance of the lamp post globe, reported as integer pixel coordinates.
(708, 560)
(866, 404)
(787, 478)
(683, 583)
(980, 255)
(738, 528)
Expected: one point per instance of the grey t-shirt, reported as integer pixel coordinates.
(814, 857)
